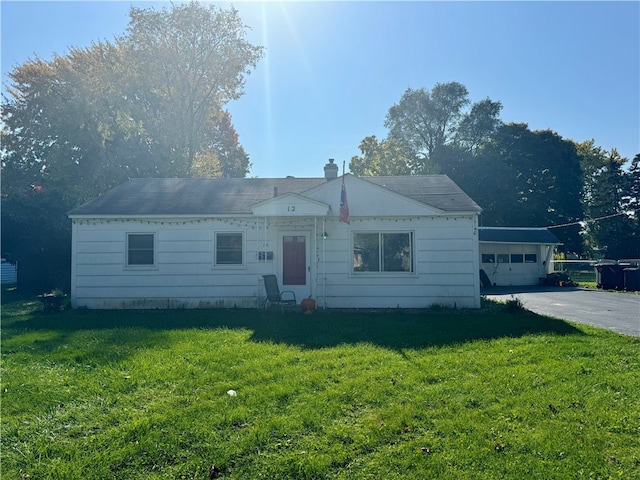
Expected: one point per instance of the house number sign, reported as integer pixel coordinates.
(291, 208)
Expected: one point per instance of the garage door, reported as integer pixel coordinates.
(523, 265)
(507, 264)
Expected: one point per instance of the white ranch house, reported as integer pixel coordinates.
(411, 242)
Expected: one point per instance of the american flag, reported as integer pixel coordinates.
(344, 206)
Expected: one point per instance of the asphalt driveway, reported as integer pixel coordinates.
(619, 312)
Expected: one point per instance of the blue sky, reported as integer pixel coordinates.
(333, 69)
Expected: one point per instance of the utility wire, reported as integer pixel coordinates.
(580, 222)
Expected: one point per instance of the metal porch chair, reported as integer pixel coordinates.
(275, 297)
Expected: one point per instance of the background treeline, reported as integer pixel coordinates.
(520, 178)
(152, 104)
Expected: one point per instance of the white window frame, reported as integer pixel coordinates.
(380, 233)
(243, 243)
(137, 266)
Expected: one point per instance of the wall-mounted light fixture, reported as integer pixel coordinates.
(325, 235)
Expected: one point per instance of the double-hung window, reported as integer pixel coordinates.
(229, 249)
(141, 250)
(383, 252)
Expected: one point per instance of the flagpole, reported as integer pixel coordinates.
(344, 206)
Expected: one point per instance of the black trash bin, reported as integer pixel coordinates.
(632, 279)
(610, 276)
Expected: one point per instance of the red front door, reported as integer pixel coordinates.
(294, 260)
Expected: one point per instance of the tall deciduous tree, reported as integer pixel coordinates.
(149, 104)
(430, 123)
(233, 158)
(142, 106)
(632, 199)
(381, 158)
(530, 179)
(631, 205)
(225, 157)
(610, 203)
(190, 60)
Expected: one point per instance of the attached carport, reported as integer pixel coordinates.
(512, 256)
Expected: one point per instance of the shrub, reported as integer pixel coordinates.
(515, 305)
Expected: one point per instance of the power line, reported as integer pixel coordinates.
(580, 222)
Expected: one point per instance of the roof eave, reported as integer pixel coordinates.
(118, 216)
(520, 243)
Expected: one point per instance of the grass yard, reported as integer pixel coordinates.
(483, 394)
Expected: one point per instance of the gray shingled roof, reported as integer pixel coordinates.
(190, 196)
(230, 196)
(516, 235)
(436, 190)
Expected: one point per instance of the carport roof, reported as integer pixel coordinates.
(517, 235)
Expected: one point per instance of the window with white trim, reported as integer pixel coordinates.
(383, 252)
(141, 250)
(229, 249)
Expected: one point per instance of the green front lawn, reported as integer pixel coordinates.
(387, 395)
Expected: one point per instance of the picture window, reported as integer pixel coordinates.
(383, 252)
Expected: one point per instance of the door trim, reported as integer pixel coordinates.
(301, 290)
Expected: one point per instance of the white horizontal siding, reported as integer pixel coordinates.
(93, 248)
(100, 235)
(448, 268)
(445, 262)
(184, 274)
(140, 302)
(188, 257)
(169, 281)
(382, 291)
(99, 258)
(181, 246)
(445, 266)
(453, 245)
(435, 256)
(151, 291)
(168, 269)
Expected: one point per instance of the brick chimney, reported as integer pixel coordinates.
(330, 170)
